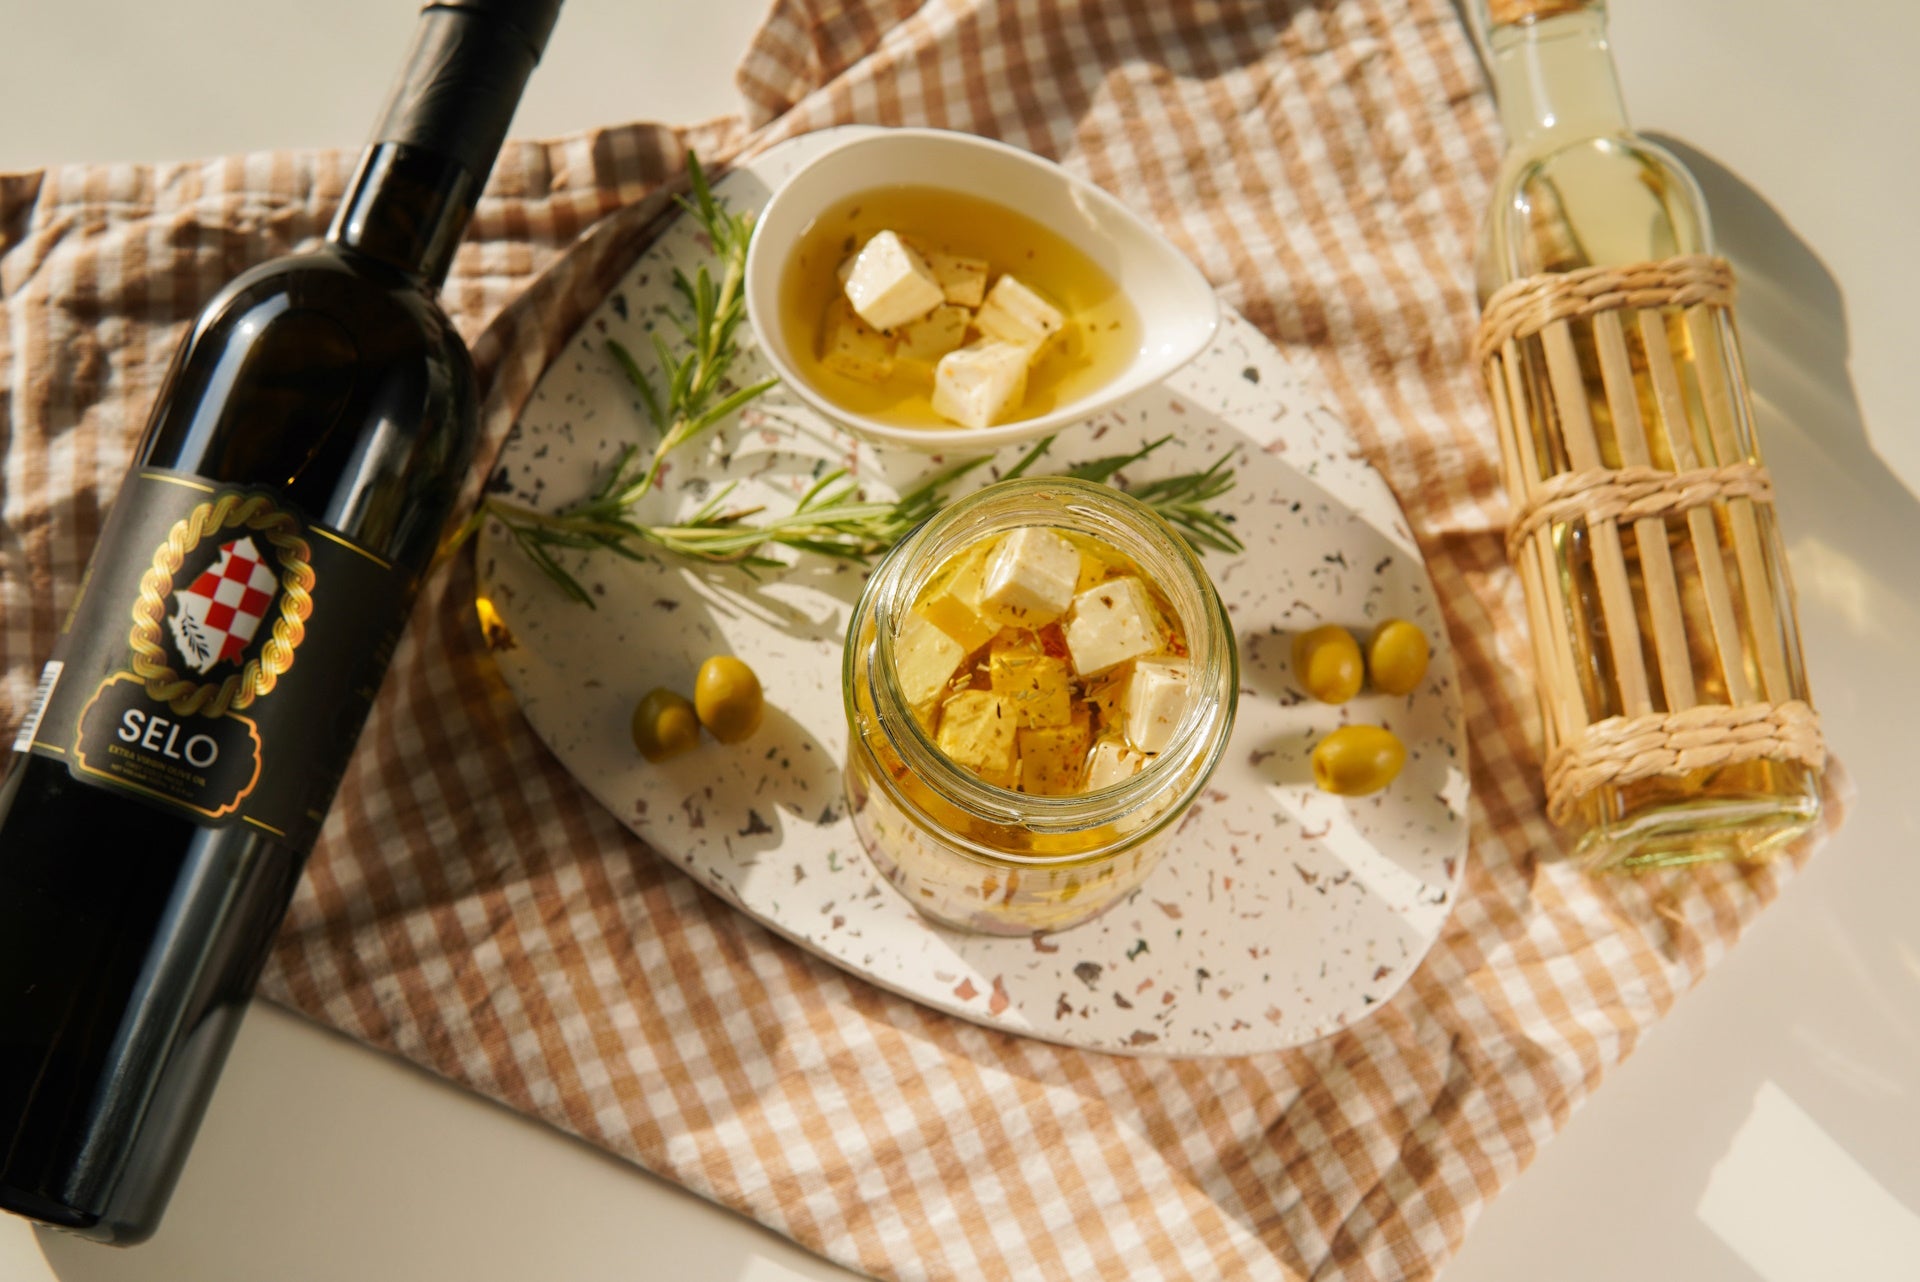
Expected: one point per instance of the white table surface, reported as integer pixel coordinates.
(1768, 1130)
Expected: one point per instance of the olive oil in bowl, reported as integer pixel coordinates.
(1101, 337)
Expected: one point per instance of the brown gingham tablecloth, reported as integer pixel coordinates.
(470, 908)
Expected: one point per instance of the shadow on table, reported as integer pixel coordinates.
(1849, 523)
(1793, 326)
(324, 1161)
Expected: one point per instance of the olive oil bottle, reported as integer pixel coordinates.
(1677, 720)
(233, 625)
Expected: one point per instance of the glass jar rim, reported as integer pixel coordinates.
(1100, 512)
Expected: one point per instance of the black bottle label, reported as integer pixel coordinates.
(221, 657)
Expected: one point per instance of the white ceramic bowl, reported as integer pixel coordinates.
(1175, 304)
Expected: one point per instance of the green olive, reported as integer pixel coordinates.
(1397, 657)
(727, 696)
(1326, 663)
(1356, 760)
(664, 724)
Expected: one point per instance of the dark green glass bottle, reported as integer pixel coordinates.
(235, 621)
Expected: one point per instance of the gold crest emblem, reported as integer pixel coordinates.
(183, 694)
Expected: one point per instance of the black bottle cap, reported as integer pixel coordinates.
(533, 19)
(463, 78)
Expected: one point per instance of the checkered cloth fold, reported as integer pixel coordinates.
(470, 908)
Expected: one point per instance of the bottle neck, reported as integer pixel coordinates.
(406, 208)
(442, 127)
(1553, 76)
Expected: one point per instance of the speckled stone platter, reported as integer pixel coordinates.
(1281, 914)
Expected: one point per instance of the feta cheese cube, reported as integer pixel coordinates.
(1030, 578)
(854, 348)
(891, 284)
(1052, 757)
(924, 659)
(933, 335)
(1014, 313)
(1112, 762)
(1106, 694)
(1033, 682)
(1155, 701)
(977, 385)
(1111, 623)
(954, 605)
(977, 734)
(963, 279)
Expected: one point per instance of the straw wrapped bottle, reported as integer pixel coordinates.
(1676, 717)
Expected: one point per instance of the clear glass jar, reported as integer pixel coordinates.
(978, 857)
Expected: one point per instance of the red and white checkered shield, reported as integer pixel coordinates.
(218, 614)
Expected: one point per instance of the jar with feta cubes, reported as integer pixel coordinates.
(1038, 683)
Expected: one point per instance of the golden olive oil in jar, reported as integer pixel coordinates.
(997, 797)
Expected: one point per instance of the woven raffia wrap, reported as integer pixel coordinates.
(469, 907)
(1532, 369)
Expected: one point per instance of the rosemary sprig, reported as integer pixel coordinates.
(693, 396)
(1182, 500)
(833, 518)
(1185, 501)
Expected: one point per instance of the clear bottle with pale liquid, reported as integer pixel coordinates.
(1641, 621)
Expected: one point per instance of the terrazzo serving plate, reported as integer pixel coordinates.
(1280, 915)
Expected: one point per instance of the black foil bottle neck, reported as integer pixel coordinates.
(436, 141)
